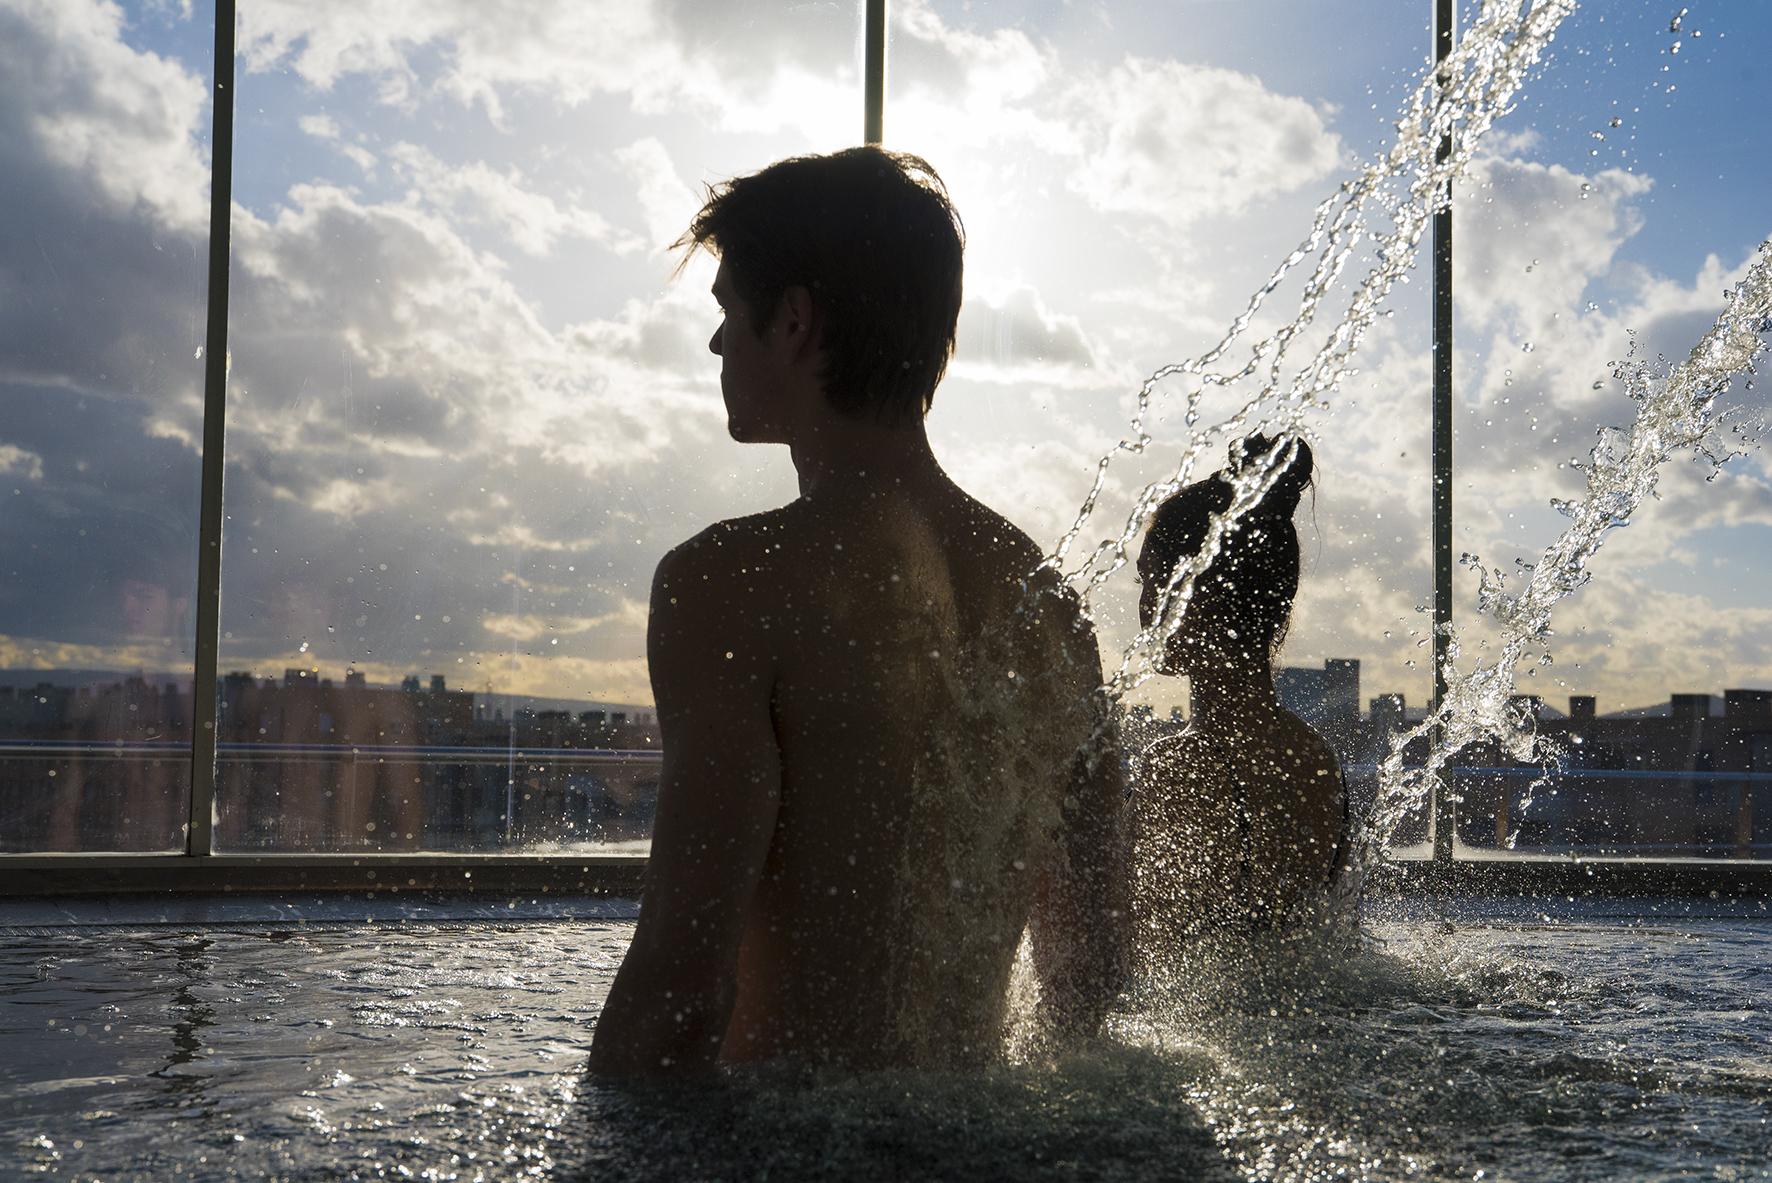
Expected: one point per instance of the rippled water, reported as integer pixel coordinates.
(1493, 1040)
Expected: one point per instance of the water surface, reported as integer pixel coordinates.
(1631, 1040)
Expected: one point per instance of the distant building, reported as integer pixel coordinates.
(1328, 699)
(1389, 714)
(1689, 706)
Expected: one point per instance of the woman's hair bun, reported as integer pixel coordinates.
(1282, 499)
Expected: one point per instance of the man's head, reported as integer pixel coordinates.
(860, 252)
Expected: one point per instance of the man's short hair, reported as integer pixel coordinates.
(875, 239)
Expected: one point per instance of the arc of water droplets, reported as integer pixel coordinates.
(1459, 99)
(1675, 410)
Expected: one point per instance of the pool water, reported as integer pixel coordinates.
(1487, 1041)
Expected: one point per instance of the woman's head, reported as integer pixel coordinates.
(1240, 604)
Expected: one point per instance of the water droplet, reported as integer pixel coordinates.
(303, 648)
(1526, 348)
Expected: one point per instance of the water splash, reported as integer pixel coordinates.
(1676, 410)
(1456, 101)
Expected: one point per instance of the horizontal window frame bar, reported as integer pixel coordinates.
(1560, 879)
(173, 874)
(35, 876)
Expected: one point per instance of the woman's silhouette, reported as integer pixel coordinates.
(1241, 818)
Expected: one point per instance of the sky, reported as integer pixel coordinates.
(470, 407)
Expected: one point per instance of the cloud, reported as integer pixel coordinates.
(657, 56)
(19, 462)
(1179, 142)
(532, 221)
(322, 127)
(1116, 131)
(1532, 237)
(1018, 339)
(667, 204)
(117, 120)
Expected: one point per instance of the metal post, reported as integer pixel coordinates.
(1444, 813)
(200, 838)
(874, 73)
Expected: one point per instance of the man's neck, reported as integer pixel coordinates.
(838, 455)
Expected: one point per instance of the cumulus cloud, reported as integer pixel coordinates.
(1532, 237)
(1154, 138)
(20, 462)
(655, 56)
(666, 202)
(1018, 339)
(117, 119)
(321, 127)
(1179, 142)
(533, 221)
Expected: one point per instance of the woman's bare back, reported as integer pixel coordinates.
(1234, 831)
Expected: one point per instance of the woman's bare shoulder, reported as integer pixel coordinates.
(1310, 752)
(1183, 756)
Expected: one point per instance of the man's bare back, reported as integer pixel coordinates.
(928, 709)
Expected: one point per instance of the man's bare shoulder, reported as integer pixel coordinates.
(1000, 536)
(732, 549)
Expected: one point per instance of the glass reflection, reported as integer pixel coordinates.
(470, 407)
(104, 144)
(1604, 224)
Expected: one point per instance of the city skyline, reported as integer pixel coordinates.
(1296, 685)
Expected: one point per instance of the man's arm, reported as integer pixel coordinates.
(1081, 915)
(712, 678)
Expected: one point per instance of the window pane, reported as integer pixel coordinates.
(1604, 224)
(104, 147)
(1130, 176)
(470, 409)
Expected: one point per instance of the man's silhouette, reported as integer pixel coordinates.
(876, 716)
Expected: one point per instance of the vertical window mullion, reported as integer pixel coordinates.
(1444, 818)
(201, 834)
(874, 73)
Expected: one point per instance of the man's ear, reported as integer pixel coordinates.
(797, 322)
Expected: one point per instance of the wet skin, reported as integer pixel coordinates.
(1240, 817)
(798, 659)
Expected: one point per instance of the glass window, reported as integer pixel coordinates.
(104, 144)
(470, 409)
(1130, 180)
(1601, 226)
